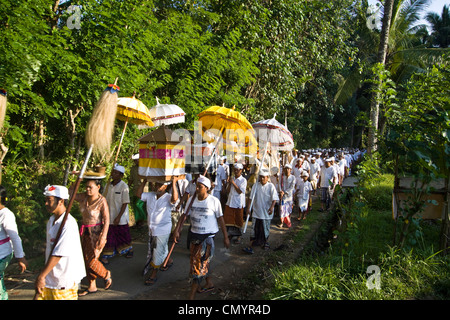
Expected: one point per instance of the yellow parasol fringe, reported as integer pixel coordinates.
(99, 132)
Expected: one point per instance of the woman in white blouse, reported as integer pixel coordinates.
(9, 242)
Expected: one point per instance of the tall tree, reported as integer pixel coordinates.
(381, 58)
(440, 27)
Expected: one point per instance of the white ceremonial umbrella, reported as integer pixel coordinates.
(166, 114)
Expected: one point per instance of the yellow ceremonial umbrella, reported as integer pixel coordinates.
(236, 131)
(220, 118)
(134, 111)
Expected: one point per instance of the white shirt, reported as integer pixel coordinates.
(303, 188)
(70, 269)
(191, 188)
(8, 228)
(264, 195)
(326, 175)
(236, 200)
(159, 213)
(297, 171)
(220, 176)
(305, 165)
(315, 171)
(342, 164)
(288, 187)
(116, 196)
(204, 214)
(182, 186)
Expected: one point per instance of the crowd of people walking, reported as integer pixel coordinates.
(227, 200)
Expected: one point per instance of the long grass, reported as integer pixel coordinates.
(417, 272)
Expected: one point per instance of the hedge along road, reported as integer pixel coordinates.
(228, 267)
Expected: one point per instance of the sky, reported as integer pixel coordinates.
(435, 6)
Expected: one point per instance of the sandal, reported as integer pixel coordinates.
(129, 254)
(86, 292)
(204, 290)
(248, 250)
(108, 281)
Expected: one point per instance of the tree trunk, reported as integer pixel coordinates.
(445, 228)
(41, 139)
(382, 51)
(72, 132)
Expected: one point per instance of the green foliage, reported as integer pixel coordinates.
(413, 272)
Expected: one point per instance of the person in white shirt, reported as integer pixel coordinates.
(64, 264)
(297, 167)
(265, 196)
(117, 196)
(287, 196)
(221, 179)
(159, 211)
(303, 189)
(234, 208)
(9, 240)
(343, 168)
(314, 173)
(319, 159)
(327, 174)
(306, 165)
(206, 216)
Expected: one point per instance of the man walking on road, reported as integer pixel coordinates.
(64, 267)
(206, 217)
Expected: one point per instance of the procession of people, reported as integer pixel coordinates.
(221, 201)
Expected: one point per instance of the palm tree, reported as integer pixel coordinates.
(381, 58)
(405, 55)
(440, 27)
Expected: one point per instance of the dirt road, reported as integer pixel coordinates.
(229, 267)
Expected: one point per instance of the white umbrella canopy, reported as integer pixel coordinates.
(273, 132)
(166, 114)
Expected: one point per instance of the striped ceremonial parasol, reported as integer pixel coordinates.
(273, 132)
(275, 136)
(166, 114)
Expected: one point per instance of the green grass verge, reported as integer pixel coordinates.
(414, 272)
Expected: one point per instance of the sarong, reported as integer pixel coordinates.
(202, 251)
(303, 204)
(3, 264)
(59, 294)
(94, 268)
(234, 220)
(118, 241)
(286, 211)
(260, 231)
(157, 252)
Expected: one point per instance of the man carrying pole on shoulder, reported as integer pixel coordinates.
(64, 267)
(206, 216)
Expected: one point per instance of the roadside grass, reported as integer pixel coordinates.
(343, 273)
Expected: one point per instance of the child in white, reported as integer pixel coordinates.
(303, 191)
